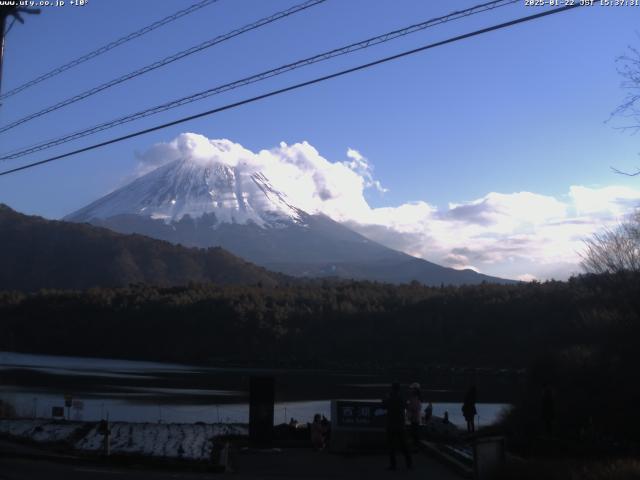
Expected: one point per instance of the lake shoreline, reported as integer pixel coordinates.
(151, 391)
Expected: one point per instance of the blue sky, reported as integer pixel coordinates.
(517, 110)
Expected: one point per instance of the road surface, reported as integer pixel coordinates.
(291, 464)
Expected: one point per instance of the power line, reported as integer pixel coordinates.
(386, 37)
(166, 61)
(295, 87)
(109, 46)
(13, 20)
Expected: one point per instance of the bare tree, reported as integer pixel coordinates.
(628, 67)
(614, 250)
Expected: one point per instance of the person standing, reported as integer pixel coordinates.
(469, 409)
(414, 409)
(326, 429)
(428, 412)
(396, 438)
(317, 433)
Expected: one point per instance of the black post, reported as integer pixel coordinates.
(3, 21)
(261, 405)
(15, 12)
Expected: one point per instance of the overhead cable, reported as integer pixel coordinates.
(295, 87)
(386, 37)
(108, 46)
(165, 61)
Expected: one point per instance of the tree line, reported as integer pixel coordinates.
(328, 324)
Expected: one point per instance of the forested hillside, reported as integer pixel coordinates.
(36, 253)
(364, 325)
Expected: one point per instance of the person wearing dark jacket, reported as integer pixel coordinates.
(469, 409)
(396, 438)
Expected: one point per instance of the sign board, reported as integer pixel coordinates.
(358, 414)
(68, 399)
(57, 412)
(358, 425)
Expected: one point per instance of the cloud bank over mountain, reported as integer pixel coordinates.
(522, 235)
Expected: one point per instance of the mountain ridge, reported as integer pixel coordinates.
(209, 203)
(37, 253)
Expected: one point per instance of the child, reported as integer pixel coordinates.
(317, 433)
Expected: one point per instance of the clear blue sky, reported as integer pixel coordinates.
(518, 109)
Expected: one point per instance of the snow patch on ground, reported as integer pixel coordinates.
(173, 440)
(41, 431)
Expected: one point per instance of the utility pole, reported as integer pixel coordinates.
(5, 13)
(3, 21)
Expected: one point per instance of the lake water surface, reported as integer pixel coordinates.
(141, 391)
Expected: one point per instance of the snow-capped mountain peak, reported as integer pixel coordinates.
(185, 187)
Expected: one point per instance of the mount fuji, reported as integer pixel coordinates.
(209, 203)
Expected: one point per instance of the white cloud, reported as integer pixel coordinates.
(522, 235)
(516, 235)
(361, 166)
(527, 277)
(603, 202)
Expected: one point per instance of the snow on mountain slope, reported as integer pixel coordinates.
(184, 187)
(210, 193)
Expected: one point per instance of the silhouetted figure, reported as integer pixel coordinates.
(326, 429)
(548, 409)
(469, 409)
(104, 429)
(445, 419)
(395, 406)
(414, 407)
(317, 433)
(428, 412)
(293, 423)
